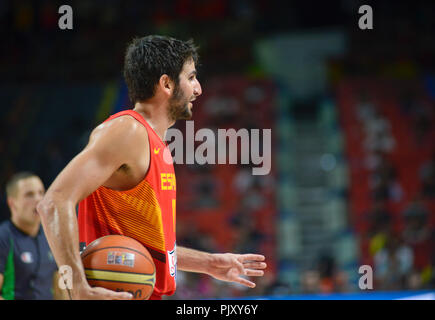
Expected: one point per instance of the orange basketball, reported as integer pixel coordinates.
(120, 263)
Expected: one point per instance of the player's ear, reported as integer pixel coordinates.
(166, 84)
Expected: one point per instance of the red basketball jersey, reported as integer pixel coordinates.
(145, 212)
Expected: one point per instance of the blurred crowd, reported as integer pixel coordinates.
(399, 147)
(37, 50)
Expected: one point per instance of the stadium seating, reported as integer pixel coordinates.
(406, 157)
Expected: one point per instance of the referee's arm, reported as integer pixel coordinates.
(3, 258)
(1, 286)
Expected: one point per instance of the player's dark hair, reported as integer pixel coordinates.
(150, 57)
(11, 185)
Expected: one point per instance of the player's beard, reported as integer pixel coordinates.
(179, 106)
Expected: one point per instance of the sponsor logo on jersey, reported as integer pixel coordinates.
(172, 258)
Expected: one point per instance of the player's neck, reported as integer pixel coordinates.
(155, 115)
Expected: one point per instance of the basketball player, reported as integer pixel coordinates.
(124, 186)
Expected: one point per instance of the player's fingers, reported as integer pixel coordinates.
(105, 294)
(254, 273)
(252, 257)
(245, 282)
(122, 296)
(239, 266)
(255, 265)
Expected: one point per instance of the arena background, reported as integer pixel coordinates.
(352, 114)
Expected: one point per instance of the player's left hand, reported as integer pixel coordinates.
(232, 267)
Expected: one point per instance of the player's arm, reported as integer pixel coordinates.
(222, 266)
(110, 146)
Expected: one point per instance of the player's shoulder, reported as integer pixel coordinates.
(123, 122)
(124, 127)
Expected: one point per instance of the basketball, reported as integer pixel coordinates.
(120, 263)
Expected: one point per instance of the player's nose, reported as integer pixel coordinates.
(197, 90)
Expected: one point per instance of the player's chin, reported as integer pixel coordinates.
(186, 114)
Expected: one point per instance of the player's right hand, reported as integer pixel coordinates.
(86, 292)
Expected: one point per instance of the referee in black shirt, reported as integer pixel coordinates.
(27, 268)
